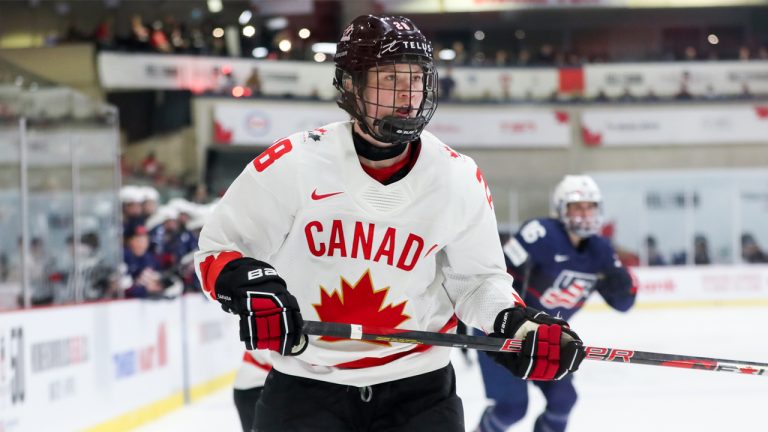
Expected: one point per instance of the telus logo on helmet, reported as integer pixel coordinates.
(394, 47)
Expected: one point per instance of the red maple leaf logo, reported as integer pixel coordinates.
(450, 151)
(359, 303)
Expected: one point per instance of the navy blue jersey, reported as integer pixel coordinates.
(553, 275)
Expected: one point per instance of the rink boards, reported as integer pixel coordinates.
(112, 366)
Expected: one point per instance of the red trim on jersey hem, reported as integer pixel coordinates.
(248, 358)
(367, 362)
(211, 267)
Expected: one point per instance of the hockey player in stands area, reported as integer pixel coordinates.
(370, 221)
(556, 264)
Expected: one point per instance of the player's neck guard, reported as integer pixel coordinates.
(374, 152)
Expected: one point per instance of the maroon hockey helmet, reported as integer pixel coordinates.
(377, 42)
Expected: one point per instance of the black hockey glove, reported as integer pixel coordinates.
(550, 349)
(269, 314)
(618, 288)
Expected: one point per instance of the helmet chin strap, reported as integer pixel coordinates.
(374, 152)
(399, 141)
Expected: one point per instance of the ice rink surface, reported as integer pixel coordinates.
(612, 397)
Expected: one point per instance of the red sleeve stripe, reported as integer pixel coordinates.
(211, 267)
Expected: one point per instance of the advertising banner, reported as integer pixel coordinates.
(213, 345)
(302, 79)
(702, 283)
(263, 122)
(677, 79)
(675, 125)
(105, 360)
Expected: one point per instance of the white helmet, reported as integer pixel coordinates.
(578, 188)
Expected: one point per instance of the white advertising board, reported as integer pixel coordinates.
(700, 78)
(675, 125)
(702, 283)
(260, 122)
(76, 367)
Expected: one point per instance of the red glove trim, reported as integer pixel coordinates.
(211, 267)
(547, 359)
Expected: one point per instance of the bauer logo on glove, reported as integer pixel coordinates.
(550, 349)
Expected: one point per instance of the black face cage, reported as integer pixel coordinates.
(399, 103)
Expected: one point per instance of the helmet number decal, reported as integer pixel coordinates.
(272, 154)
(401, 25)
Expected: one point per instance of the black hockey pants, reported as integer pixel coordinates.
(421, 403)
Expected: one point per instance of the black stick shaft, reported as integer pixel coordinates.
(486, 343)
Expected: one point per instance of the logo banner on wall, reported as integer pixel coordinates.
(436, 6)
(681, 79)
(263, 122)
(119, 71)
(676, 126)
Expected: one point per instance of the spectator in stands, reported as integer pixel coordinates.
(446, 84)
(104, 34)
(254, 82)
(132, 198)
(652, 252)
(744, 54)
(169, 240)
(546, 55)
(690, 54)
(701, 250)
(150, 166)
(746, 93)
(139, 34)
(141, 277)
(199, 194)
(150, 198)
(461, 53)
(762, 53)
(684, 92)
(501, 58)
(750, 251)
(523, 57)
(158, 40)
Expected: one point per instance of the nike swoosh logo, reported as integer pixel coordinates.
(561, 258)
(316, 196)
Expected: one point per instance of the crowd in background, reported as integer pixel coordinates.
(171, 35)
(159, 242)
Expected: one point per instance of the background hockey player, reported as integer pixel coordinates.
(249, 383)
(369, 221)
(556, 263)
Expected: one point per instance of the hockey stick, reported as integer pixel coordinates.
(486, 343)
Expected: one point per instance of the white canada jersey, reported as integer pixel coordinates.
(414, 254)
(253, 370)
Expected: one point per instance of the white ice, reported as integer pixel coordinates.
(612, 397)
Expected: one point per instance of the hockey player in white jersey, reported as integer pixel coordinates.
(249, 383)
(371, 221)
